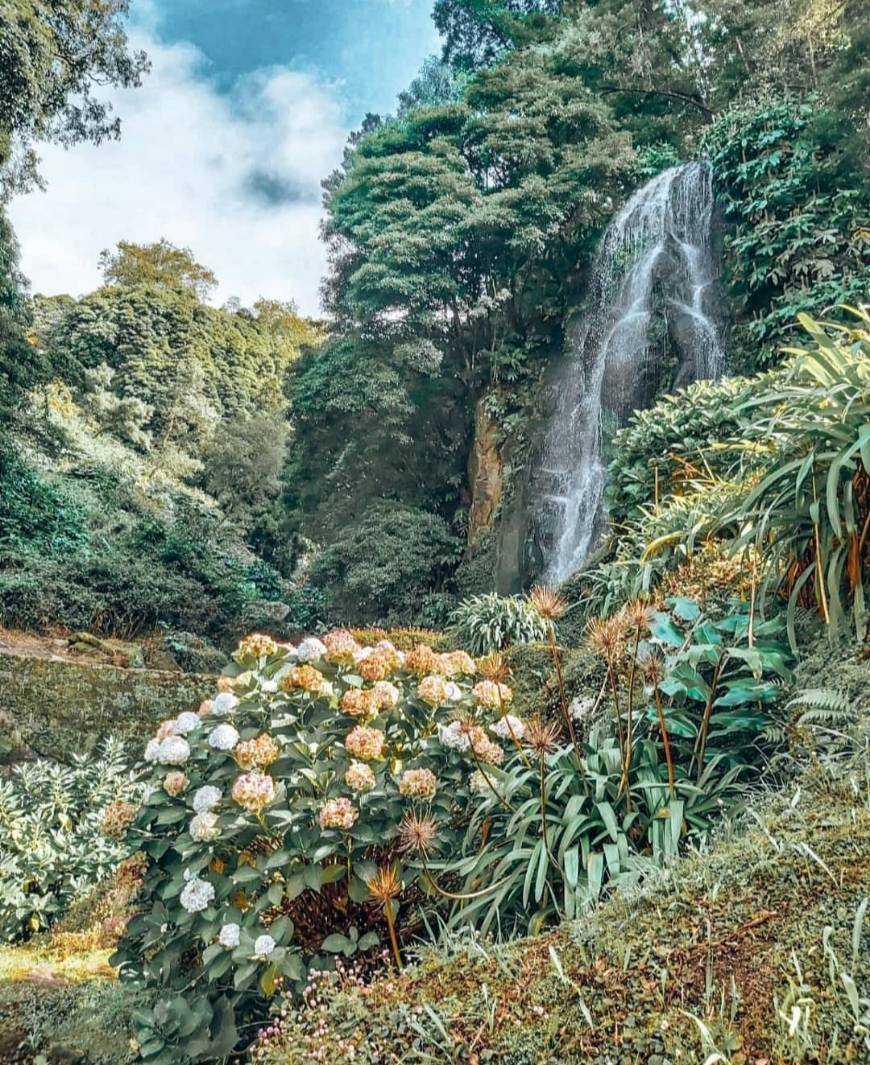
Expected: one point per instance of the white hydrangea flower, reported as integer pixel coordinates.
(454, 692)
(152, 750)
(204, 827)
(174, 750)
(263, 946)
(196, 895)
(223, 738)
(363, 653)
(187, 722)
(224, 704)
(269, 686)
(453, 737)
(311, 649)
(206, 797)
(229, 936)
(509, 728)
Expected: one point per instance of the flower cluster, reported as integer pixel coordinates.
(223, 737)
(308, 761)
(341, 647)
(253, 791)
(338, 813)
(365, 743)
(418, 784)
(196, 895)
(308, 679)
(359, 777)
(256, 645)
(491, 694)
(116, 817)
(260, 752)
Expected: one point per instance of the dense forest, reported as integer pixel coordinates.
(469, 744)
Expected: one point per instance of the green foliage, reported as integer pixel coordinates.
(34, 515)
(798, 244)
(673, 443)
(489, 622)
(160, 263)
(51, 57)
(52, 847)
(808, 517)
(302, 846)
(379, 569)
(563, 822)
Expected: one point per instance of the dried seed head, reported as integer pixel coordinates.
(606, 636)
(636, 614)
(494, 667)
(417, 832)
(542, 736)
(385, 884)
(547, 602)
(651, 666)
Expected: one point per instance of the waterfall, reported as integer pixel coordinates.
(653, 277)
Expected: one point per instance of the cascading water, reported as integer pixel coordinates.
(653, 275)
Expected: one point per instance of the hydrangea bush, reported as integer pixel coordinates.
(290, 821)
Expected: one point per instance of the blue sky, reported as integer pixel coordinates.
(246, 109)
(370, 49)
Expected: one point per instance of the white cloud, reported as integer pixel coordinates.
(235, 177)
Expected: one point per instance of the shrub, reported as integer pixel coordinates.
(280, 829)
(488, 623)
(689, 698)
(53, 844)
(382, 566)
(35, 514)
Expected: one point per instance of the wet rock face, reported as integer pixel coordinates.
(484, 474)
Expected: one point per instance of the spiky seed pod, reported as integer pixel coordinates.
(542, 736)
(417, 832)
(606, 636)
(385, 884)
(547, 602)
(651, 666)
(636, 614)
(494, 667)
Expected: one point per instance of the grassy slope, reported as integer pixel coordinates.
(723, 937)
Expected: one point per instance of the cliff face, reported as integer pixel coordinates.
(56, 707)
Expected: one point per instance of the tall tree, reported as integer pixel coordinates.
(53, 54)
(160, 263)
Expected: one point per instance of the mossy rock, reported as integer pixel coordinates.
(56, 708)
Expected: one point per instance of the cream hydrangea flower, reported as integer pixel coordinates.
(152, 751)
(253, 791)
(509, 727)
(310, 650)
(174, 783)
(229, 936)
(196, 895)
(187, 722)
(206, 798)
(204, 827)
(223, 738)
(418, 784)
(263, 946)
(337, 813)
(174, 750)
(359, 777)
(454, 736)
(224, 704)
